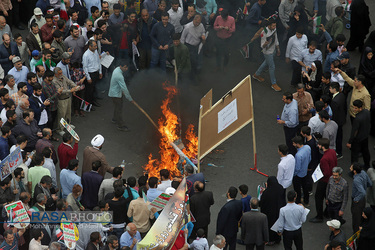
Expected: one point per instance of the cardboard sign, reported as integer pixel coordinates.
(17, 215)
(71, 235)
(69, 129)
(10, 163)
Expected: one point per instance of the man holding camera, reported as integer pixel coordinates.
(47, 29)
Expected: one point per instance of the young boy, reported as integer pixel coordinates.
(23, 49)
(94, 13)
(200, 243)
(34, 60)
(245, 197)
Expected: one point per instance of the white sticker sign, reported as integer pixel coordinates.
(227, 116)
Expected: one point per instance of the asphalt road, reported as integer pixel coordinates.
(235, 154)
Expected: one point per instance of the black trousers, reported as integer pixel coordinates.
(361, 147)
(289, 134)
(51, 119)
(296, 77)
(90, 87)
(193, 52)
(333, 209)
(339, 140)
(231, 242)
(251, 247)
(298, 183)
(320, 194)
(15, 13)
(293, 236)
(357, 209)
(222, 50)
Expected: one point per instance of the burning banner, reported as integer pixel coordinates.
(163, 233)
(169, 130)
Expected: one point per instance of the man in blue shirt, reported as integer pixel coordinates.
(361, 182)
(303, 158)
(310, 55)
(4, 147)
(332, 56)
(68, 178)
(131, 237)
(161, 37)
(289, 118)
(290, 222)
(117, 91)
(153, 192)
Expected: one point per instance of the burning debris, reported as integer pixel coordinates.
(168, 127)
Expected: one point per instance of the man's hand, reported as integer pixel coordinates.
(46, 102)
(100, 76)
(15, 191)
(11, 57)
(153, 210)
(60, 90)
(89, 81)
(280, 122)
(327, 202)
(161, 47)
(349, 146)
(54, 196)
(278, 52)
(39, 134)
(166, 47)
(212, 15)
(5, 13)
(287, 60)
(296, 17)
(341, 213)
(204, 13)
(133, 102)
(259, 22)
(279, 233)
(75, 141)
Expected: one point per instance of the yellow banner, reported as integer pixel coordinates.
(164, 232)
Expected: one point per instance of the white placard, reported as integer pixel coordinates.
(318, 174)
(227, 116)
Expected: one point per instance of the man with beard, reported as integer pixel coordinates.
(22, 89)
(18, 71)
(145, 25)
(64, 106)
(8, 50)
(46, 61)
(129, 36)
(38, 104)
(58, 45)
(75, 42)
(4, 97)
(51, 93)
(64, 64)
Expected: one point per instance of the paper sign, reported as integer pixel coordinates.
(318, 174)
(10, 163)
(69, 129)
(17, 215)
(106, 60)
(227, 116)
(160, 202)
(71, 235)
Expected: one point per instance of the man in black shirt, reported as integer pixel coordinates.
(358, 142)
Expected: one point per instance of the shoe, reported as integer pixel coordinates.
(241, 242)
(61, 133)
(258, 78)
(316, 220)
(113, 121)
(339, 156)
(311, 193)
(123, 128)
(72, 126)
(96, 104)
(276, 87)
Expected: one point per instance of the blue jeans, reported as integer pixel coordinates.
(158, 57)
(268, 60)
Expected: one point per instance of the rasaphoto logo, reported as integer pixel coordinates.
(71, 217)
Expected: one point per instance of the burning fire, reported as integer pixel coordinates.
(168, 128)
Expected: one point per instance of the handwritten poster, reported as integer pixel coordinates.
(227, 116)
(17, 215)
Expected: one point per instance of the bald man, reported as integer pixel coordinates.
(131, 237)
(5, 56)
(4, 28)
(46, 142)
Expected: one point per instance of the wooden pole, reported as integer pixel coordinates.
(148, 117)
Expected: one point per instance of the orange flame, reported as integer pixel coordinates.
(168, 128)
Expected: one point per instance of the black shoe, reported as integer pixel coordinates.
(96, 104)
(316, 220)
(241, 242)
(123, 128)
(20, 27)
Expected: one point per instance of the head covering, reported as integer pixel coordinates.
(35, 53)
(344, 55)
(38, 11)
(97, 141)
(65, 55)
(366, 66)
(334, 223)
(368, 225)
(16, 59)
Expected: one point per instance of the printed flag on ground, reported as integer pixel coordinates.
(316, 23)
(63, 13)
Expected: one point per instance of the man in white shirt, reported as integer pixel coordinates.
(175, 14)
(296, 44)
(165, 181)
(218, 243)
(285, 169)
(192, 36)
(315, 123)
(10, 84)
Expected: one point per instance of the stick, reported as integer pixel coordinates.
(178, 99)
(148, 117)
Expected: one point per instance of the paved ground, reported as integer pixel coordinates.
(235, 154)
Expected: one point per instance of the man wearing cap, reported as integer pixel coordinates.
(336, 233)
(346, 65)
(91, 154)
(18, 71)
(37, 17)
(65, 103)
(8, 50)
(47, 29)
(34, 60)
(64, 64)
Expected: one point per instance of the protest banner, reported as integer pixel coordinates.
(163, 233)
(69, 129)
(17, 215)
(71, 235)
(10, 163)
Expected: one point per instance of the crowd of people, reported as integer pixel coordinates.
(55, 71)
